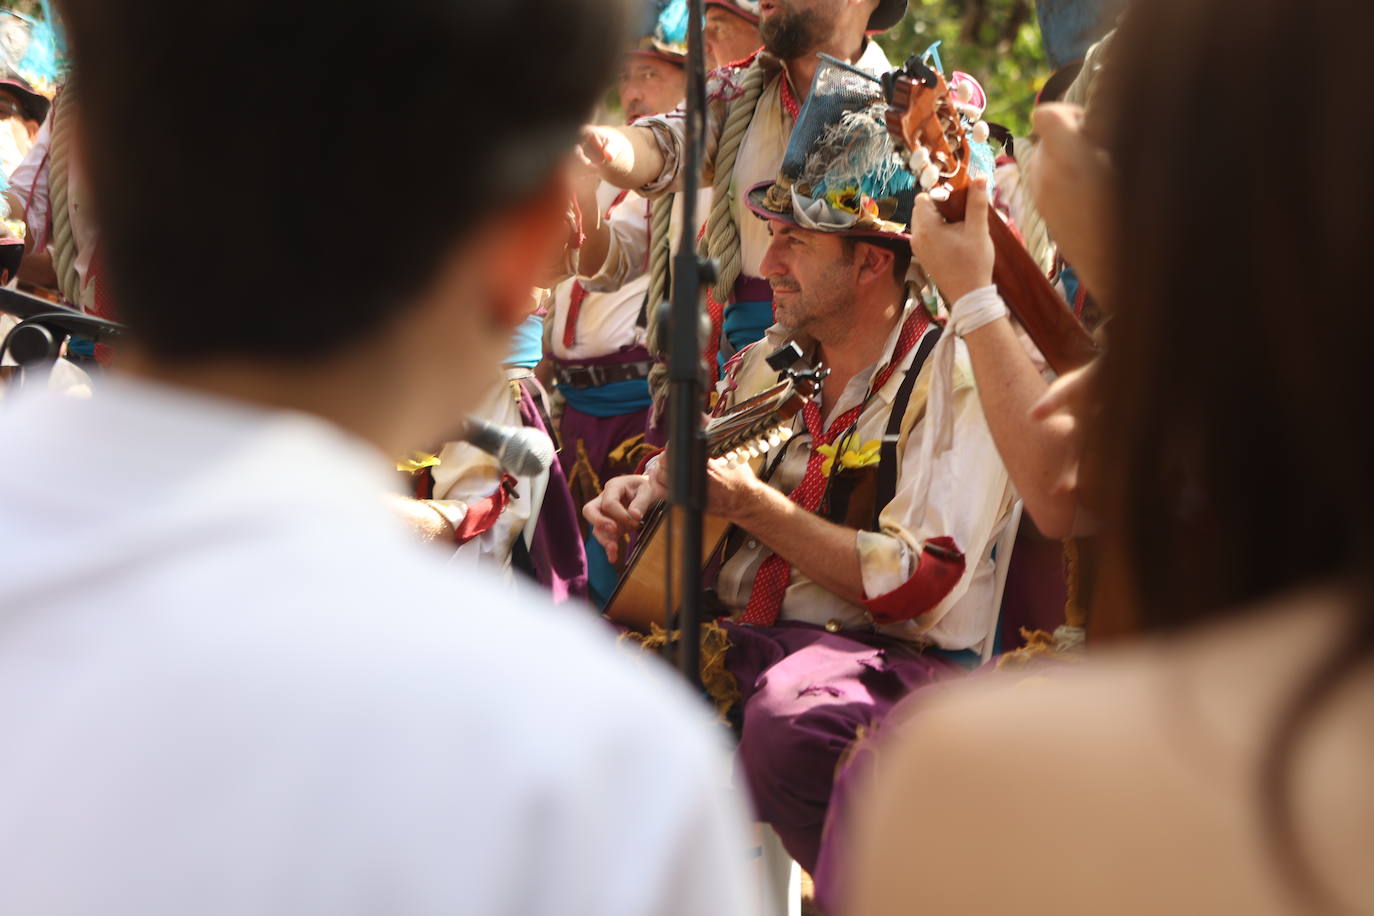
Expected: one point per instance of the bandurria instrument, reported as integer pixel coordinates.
(751, 429)
(923, 117)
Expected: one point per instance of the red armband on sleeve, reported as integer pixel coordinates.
(483, 513)
(939, 570)
(644, 462)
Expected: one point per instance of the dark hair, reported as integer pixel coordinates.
(280, 179)
(1233, 452)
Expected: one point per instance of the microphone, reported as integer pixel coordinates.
(522, 451)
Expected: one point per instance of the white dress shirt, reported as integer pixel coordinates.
(231, 684)
(609, 317)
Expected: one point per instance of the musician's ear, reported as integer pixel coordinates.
(875, 263)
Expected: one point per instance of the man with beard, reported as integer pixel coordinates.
(752, 107)
(860, 564)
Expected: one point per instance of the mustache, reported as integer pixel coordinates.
(785, 285)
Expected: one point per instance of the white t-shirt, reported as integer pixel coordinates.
(229, 683)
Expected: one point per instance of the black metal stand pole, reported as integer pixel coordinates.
(687, 489)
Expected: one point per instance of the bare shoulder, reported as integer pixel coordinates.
(1125, 784)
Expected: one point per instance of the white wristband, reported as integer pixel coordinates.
(975, 309)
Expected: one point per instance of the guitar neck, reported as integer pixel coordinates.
(922, 117)
(1047, 318)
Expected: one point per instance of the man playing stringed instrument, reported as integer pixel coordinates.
(860, 563)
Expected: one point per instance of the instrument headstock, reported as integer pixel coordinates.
(760, 424)
(926, 119)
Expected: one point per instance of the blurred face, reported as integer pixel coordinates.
(11, 109)
(812, 275)
(650, 86)
(728, 37)
(792, 29)
(1071, 180)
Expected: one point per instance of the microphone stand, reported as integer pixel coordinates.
(687, 443)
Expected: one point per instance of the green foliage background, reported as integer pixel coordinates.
(998, 41)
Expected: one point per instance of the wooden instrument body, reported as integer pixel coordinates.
(752, 428)
(638, 600)
(922, 115)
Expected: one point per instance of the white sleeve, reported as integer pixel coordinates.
(968, 497)
(23, 177)
(627, 257)
(670, 132)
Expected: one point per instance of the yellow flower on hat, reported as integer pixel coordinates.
(865, 456)
(846, 199)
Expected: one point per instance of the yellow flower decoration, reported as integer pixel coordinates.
(846, 199)
(863, 457)
(419, 462)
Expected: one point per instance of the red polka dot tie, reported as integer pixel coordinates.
(771, 581)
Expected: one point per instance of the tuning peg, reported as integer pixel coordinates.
(920, 158)
(732, 456)
(784, 433)
(940, 194)
(981, 132)
(929, 176)
(774, 439)
(964, 92)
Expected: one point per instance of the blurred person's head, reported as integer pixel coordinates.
(20, 103)
(317, 189)
(1233, 456)
(650, 84)
(731, 31)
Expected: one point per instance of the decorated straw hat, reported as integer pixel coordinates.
(745, 9)
(840, 172)
(664, 31)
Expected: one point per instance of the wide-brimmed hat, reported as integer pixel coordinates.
(887, 14)
(34, 104)
(664, 33)
(745, 9)
(841, 172)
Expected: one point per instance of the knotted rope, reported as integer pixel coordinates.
(722, 230)
(59, 172)
(722, 240)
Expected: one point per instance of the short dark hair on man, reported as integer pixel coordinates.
(280, 179)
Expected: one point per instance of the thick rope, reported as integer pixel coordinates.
(722, 231)
(660, 278)
(63, 240)
(660, 263)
